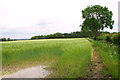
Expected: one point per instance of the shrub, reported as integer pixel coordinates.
(115, 38)
(112, 38)
(103, 37)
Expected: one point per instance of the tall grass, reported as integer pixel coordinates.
(109, 54)
(66, 57)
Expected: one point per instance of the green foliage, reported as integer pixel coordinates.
(67, 58)
(3, 39)
(90, 25)
(96, 18)
(76, 34)
(109, 54)
(103, 36)
(115, 38)
(111, 37)
(7, 39)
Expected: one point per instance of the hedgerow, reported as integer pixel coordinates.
(110, 37)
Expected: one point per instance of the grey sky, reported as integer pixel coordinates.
(27, 18)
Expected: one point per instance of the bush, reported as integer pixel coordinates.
(103, 37)
(112, 38)
(108, 38)
(115, 38)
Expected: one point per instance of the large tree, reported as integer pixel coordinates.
(96, 18)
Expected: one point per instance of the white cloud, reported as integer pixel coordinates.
(25, 18)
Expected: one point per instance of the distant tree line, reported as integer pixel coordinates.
(7, 39)
(77, 34)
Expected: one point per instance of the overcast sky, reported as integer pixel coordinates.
(27, 18)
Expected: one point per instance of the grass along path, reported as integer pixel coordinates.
(104, 60)
(95, 68)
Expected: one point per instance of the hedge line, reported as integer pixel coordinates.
(111, 37)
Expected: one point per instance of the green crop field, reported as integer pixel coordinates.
(65, 57)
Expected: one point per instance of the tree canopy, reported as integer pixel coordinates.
(96, 18)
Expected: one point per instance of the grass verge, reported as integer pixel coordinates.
(109, 56)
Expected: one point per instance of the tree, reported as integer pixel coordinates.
(96, 18)
(8, 39)
(3, 39)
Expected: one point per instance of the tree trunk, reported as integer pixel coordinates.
(96, 34)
